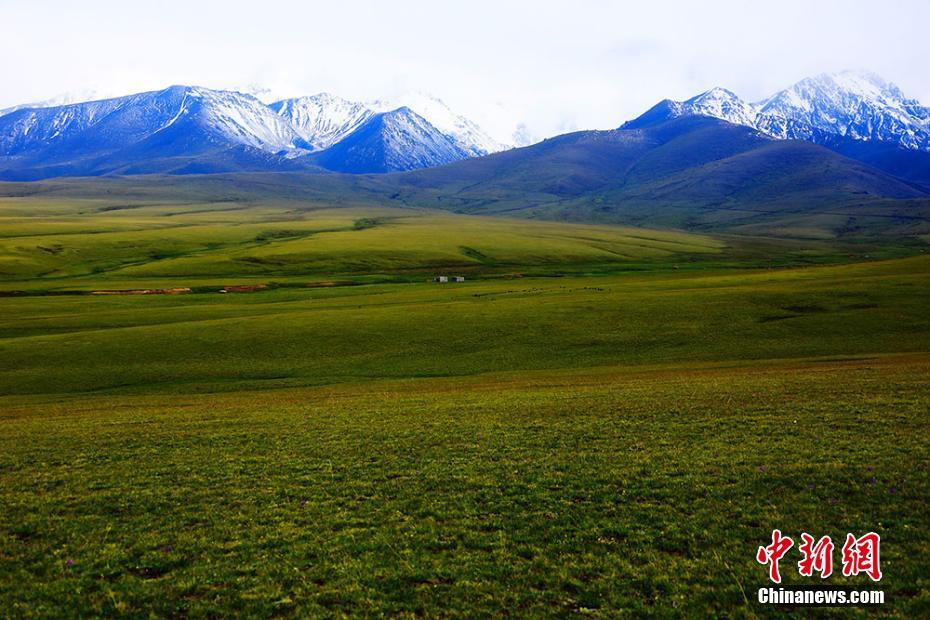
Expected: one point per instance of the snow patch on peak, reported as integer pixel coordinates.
(862, 83)
(466, 134)
(717, 93)
(323, 119)
(720, 103)
(853, 104)
(241, 118)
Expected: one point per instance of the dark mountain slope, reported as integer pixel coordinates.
(691, 172)
(908, 165)
(572, 165)
(786, 188)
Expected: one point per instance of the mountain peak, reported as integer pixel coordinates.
(323, 119)
(717, 92)
(466, 134)
(716, 102)
(398, 139)
(720, 103)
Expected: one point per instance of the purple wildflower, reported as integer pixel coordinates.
(70, 562)
(168, 548)
(869, 468)
(893, 490)
(811, 486)
(834, 501)
(762, 468)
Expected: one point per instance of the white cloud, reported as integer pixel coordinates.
(552, 66)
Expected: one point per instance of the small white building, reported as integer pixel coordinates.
(459, 278)
(441, 279)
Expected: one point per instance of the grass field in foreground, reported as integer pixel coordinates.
(606, 444)
(602, 492)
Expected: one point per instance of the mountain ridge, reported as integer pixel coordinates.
(851, 104)
(188, 129)
(161, 131)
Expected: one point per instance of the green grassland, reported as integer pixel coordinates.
(607, 492)
(96, 243)
(602, 421)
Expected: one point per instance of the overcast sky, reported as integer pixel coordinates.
(555, 66)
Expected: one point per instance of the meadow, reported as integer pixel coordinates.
(601, 420)
(92, 243)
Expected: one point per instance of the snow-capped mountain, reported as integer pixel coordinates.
(185, 114)
(195, 129)
(322, 120)
(861, 106)
(853, 105)
(391, 141)
(466, 134)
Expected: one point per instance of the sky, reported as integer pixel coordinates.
(550, 67)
